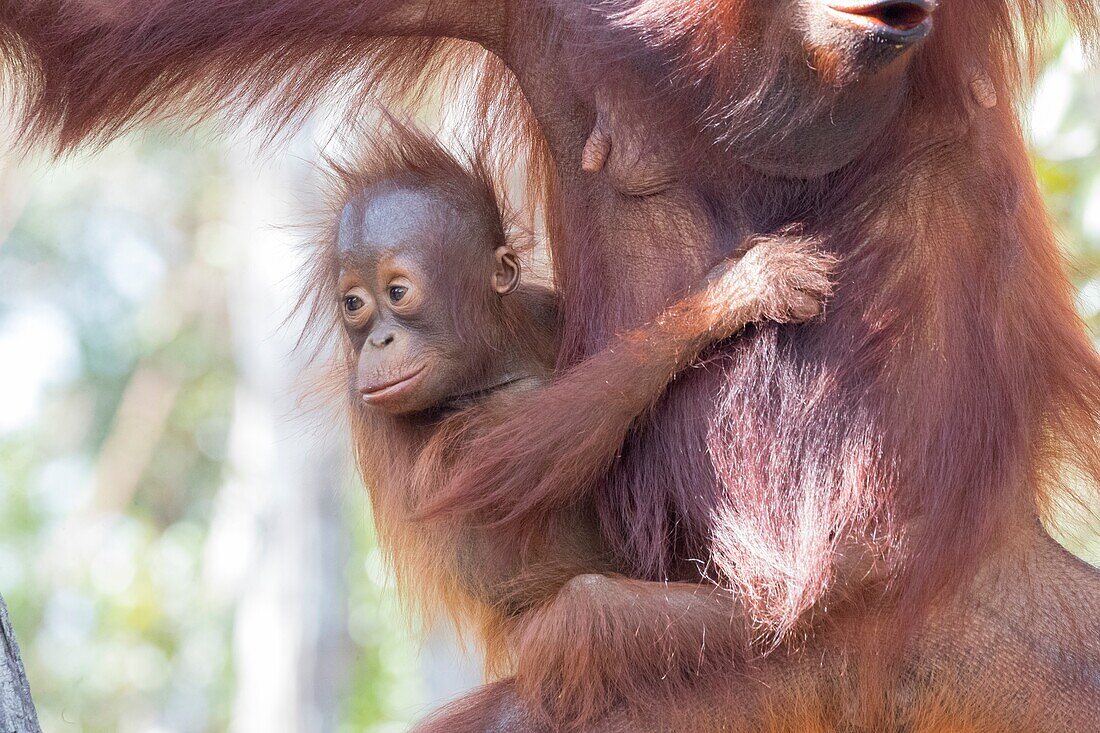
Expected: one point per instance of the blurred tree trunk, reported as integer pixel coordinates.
(17, 714)
(278, 542)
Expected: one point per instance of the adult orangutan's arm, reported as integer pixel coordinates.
(549, 450)
(87, 69)
(1019, 648)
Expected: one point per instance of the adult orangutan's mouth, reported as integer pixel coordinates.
(899, 20)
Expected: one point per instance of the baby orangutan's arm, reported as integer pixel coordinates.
(559, 439)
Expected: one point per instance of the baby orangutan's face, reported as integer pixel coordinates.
(419, 296)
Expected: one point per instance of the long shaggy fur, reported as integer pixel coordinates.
(951, 391)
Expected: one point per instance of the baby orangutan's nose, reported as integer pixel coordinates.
(380, 340)
(898, 22)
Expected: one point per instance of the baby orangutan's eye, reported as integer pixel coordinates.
(357, 306)
(398, 293)
(402, 293)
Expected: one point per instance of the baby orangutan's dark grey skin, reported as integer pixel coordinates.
(442, 341)
(420, 274)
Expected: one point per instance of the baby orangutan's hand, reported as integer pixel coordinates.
(783, 278)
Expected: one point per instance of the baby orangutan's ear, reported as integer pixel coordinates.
(506, 274)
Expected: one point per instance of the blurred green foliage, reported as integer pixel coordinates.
(116, 633)
(114, 327)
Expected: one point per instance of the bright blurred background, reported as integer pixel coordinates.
(184, 546)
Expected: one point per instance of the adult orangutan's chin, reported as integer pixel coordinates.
(833, 81)
(825, 128)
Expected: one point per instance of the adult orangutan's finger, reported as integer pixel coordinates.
(983, 90)
(597, 147)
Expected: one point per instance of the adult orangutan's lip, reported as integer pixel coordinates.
(901, 21)
(384, 391)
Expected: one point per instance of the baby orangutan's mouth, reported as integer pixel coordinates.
(381, 392)
(898, 20)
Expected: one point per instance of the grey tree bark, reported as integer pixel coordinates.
(17, 713)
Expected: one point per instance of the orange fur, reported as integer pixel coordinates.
(877, 461)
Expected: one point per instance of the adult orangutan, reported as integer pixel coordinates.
(884, 469)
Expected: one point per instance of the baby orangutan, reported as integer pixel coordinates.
(442, 339)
